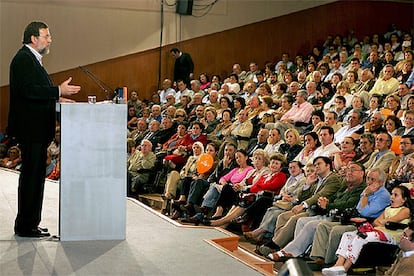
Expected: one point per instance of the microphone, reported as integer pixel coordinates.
(106, 88)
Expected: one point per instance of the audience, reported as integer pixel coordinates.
(359, 95)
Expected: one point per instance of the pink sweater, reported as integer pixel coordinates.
(235, 177)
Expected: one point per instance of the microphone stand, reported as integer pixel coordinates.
(98, 82)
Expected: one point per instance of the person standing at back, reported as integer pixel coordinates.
(183, 66)
(33, 99)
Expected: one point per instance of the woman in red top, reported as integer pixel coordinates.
(272, 182)
(184, 149)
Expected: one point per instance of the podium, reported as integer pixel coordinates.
(93, 172)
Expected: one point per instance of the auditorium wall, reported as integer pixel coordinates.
(213, 52)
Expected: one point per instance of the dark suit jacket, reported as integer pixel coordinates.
(328, 188)
(401, 130)
(33, 97)
(252, 146)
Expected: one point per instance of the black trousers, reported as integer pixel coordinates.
(31, 186)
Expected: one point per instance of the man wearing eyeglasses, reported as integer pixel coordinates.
(399, 170)
(382, 157)
(33, 98)
(404, 264)
(373, 200)
(408, 129)
(346, 197)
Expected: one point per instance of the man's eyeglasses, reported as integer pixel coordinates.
(405, 236)
(45, 36)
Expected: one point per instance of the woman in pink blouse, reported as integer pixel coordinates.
(272, 181)
(231, 183)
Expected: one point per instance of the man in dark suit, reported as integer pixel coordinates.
(258, 143)
(32, 119)
(183, 66)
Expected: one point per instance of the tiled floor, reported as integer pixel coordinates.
(154, 245)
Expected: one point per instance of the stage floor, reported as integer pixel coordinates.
(154, 245)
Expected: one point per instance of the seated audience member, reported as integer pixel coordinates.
(272, 181)
(346, 197)
(226, 165)
(405, 96)
(279, 90)
(404, 264)
(317, 117)
(199, 186)
(349, 249)
(356, 103)
(196, 109)
(392, 105)
(258, 143)
(166, 90)
(297, 188)
(328, 184)
(292, 146)
(132, 118)
(156, 113)
(298, 116)
(240, 73)
(165, 132)
(311, 141)
(266, 115)
(331, 120)
(166, 108)
(373, 201)
(230, 183)
(139, 167)
(382, 157)
(253, 110)
(345, 155)
(212, 99)
(204, 81)
(375, 103)
(286, 102)
(172, 144)
(392, 124)
(273, 142)
(229, 192)
(13, 159)
(209, 120)
(180, 182)
(408, 128)
(239, 104)
(400, 169)
(387, 84)
(240, 131)
(367, 81)
(134, 101)
(184, 149)
(353, 129)
(375, 124)
(249, 90)
(366, 148)
(233, 83)
(138, 134)
(222, 129)
(352, 79)
(328, 147)
(152, 133)
(342, 89)
(225, 104)
(180, 116)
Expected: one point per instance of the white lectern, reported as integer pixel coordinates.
(93, 172)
